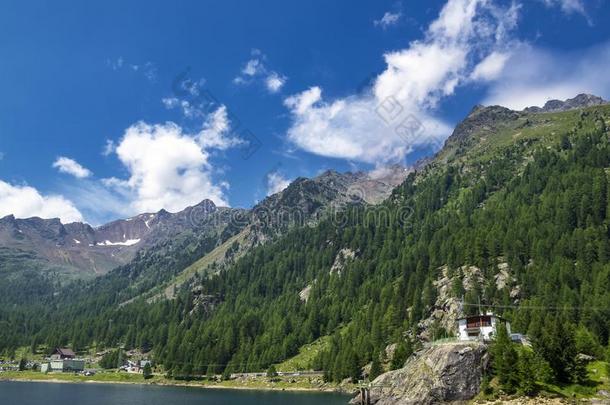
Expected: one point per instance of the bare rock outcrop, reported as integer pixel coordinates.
(438, 374)
(345, 255)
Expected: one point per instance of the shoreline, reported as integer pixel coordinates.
(169, 383)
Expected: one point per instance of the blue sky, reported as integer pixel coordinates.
(113, 108)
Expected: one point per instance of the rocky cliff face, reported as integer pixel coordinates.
(439, 374)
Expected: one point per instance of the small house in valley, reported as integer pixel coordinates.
(481, 327)
(63, 360)
(62, 353)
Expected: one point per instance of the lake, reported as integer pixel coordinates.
(32, 393)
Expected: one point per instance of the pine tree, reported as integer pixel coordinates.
(527, 371)
(402, 352)
(556, 345)
(353, 367)
(34, 345)
(120, 360)
(376, 368)
(147, 371)
(271, 371)
(505, 359)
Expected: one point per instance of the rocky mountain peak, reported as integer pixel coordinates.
(206, 203)
(482, 119)
(582, 100)
(8, 219)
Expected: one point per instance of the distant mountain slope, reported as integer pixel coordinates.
(77, 250)
(85, 251)
(304, 202)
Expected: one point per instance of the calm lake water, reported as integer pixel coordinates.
(29, 393)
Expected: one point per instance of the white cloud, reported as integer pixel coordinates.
(195, 102)
(256, 69)
(253, 67)
(387, 20)
(300, 103)
(397, 115)
(71, 166)
(276, 182)
(491, 67)
(170, 168)
(215, 130)
(26, 202)
(275, 82)
(170, 102)
(189, 109)
(351, 129)
(533, 76)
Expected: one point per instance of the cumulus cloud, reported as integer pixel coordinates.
(71, 166)
(256, 69)
(253, 67)
(491, 67)
(275, 82)
(215, 131)
(387, 20)
(170, 168)
(302, 102)
(397, 115)
(533, 76)
(276, 182)
(25, 202)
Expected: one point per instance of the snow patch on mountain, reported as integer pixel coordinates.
(129, 242)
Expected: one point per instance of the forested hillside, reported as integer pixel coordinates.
(526, 189)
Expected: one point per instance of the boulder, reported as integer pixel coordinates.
(438, 374)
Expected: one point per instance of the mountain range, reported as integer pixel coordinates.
(82, 251)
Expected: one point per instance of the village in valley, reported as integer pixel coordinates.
(62, 360)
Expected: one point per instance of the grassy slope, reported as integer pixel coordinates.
(304, 359)
(201, 265)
